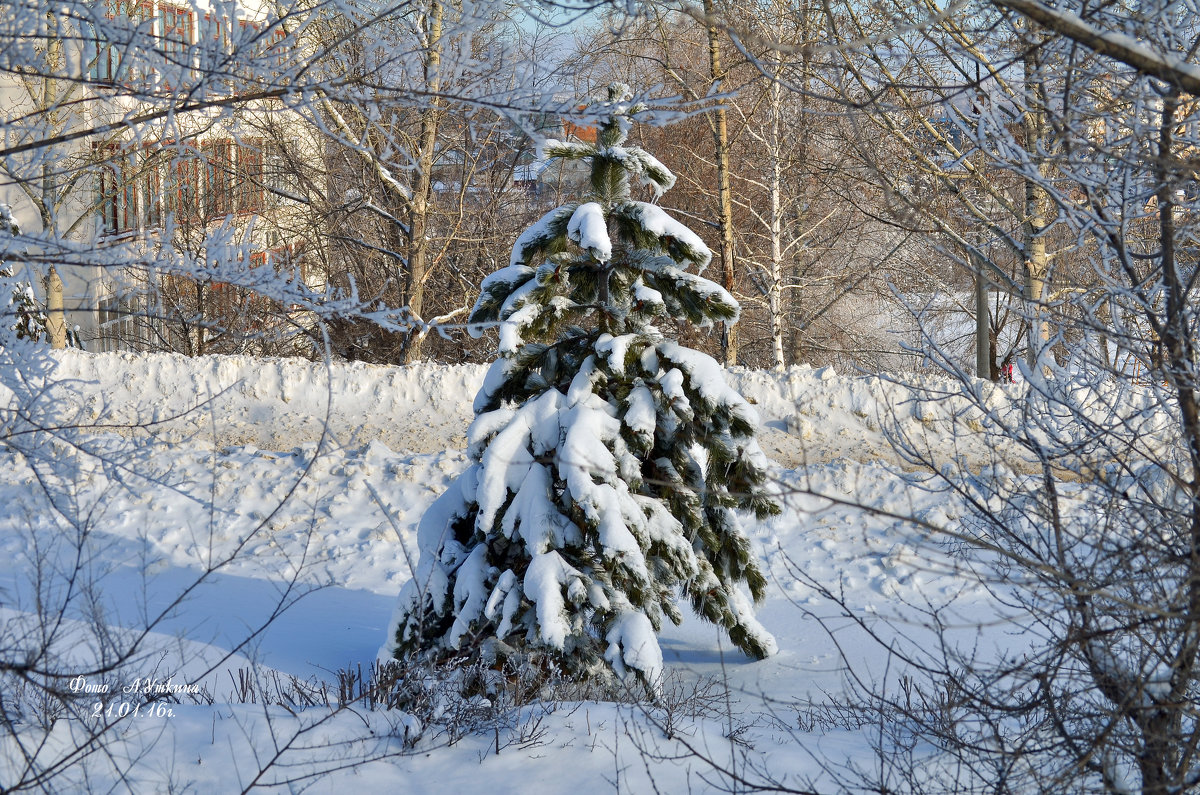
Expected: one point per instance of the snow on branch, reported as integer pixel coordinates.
(645, 167)
(567, 150)
(1113, 44)
(589, 230)
(679, 240)
(540, 236)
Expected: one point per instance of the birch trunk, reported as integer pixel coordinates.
(724, 193)
(422, 199)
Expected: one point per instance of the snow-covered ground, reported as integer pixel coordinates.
(259, 516)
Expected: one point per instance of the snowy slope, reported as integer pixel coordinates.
(239, 498)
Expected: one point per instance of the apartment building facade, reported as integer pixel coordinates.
(135, 153)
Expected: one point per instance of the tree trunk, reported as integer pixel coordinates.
(1165, 737)
(1038, 210)
(56, 325)
(724, 194)
(775, 290)
(800, 163)
(418, 251)
(49, 103)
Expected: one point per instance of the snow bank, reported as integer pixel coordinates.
(276, 404)
(808, 416)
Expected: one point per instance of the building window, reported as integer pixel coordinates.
(128, 30)
(117, 326)
(106, 64)
(118, 41)
(247, 34)
(215, 32)
(154, 195)
(112, 43)
(218, 178)
(177, 32)
(278, 47)
(280, 175)
(118, 193)
(249, 177)
(139, 189)
(214, 44)
(183, 190)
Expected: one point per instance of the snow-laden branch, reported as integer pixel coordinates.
(384, 173)
(1113, 44)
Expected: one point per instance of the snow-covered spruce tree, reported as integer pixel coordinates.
(608, 460)
(19, 310)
